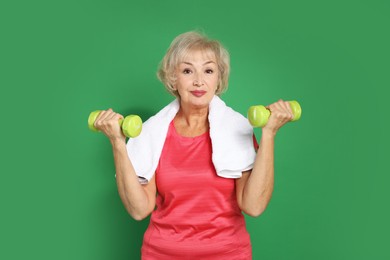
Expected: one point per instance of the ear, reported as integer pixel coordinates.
(217, 87)
(172, 86)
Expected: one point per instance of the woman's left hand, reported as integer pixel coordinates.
(281, 114)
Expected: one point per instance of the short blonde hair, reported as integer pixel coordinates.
(180, 47)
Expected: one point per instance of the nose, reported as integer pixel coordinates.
(198, 81)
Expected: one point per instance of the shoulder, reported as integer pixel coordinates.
(165, 115)
(225, 114)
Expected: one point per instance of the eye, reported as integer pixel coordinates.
(209, 71)
(186, 71)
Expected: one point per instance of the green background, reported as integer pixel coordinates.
(62, 59)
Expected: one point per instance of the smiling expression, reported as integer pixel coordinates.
(197, 78)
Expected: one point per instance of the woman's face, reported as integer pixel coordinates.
(197, 78)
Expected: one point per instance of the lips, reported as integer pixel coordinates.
(198, 93)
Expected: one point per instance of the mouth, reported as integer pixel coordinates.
(198, 93)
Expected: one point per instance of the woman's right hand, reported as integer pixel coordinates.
(108, 123)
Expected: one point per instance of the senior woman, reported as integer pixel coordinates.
(180, 170)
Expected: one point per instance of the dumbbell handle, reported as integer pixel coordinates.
(131, 125)
(258, 115)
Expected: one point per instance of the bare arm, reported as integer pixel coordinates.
(139, 200)
(254, 189)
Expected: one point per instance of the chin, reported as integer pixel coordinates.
(198, 102)
(202, 101)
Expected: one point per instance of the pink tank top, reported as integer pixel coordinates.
(197, 215)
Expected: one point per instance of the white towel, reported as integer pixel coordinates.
(230, 133)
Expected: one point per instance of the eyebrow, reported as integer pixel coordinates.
(189, 63)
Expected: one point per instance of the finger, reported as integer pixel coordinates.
(278, 106)
(120, 116)
(101, 115)
(285, 105)
(114, 118)
(111, 116)
(96, 124)
(107, 115)
(101, 119)
(283, 114)
(289, 109)
(273, 106)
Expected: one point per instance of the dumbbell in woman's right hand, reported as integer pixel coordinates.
(258, 115)
(131, 125)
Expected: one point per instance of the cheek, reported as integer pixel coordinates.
(215, 81)
(181, 81)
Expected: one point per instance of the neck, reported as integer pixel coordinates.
(193, 117)
(191, 122)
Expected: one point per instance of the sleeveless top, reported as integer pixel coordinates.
(196, 215)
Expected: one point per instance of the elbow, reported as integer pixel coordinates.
(139, 216)
(139, 212)
(254, 212)
(255, 207)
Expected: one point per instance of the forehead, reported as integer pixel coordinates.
(198, 55)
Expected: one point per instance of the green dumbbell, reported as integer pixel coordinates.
(258, 115)
(131, 125)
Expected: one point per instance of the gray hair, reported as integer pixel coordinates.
(180, 47)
